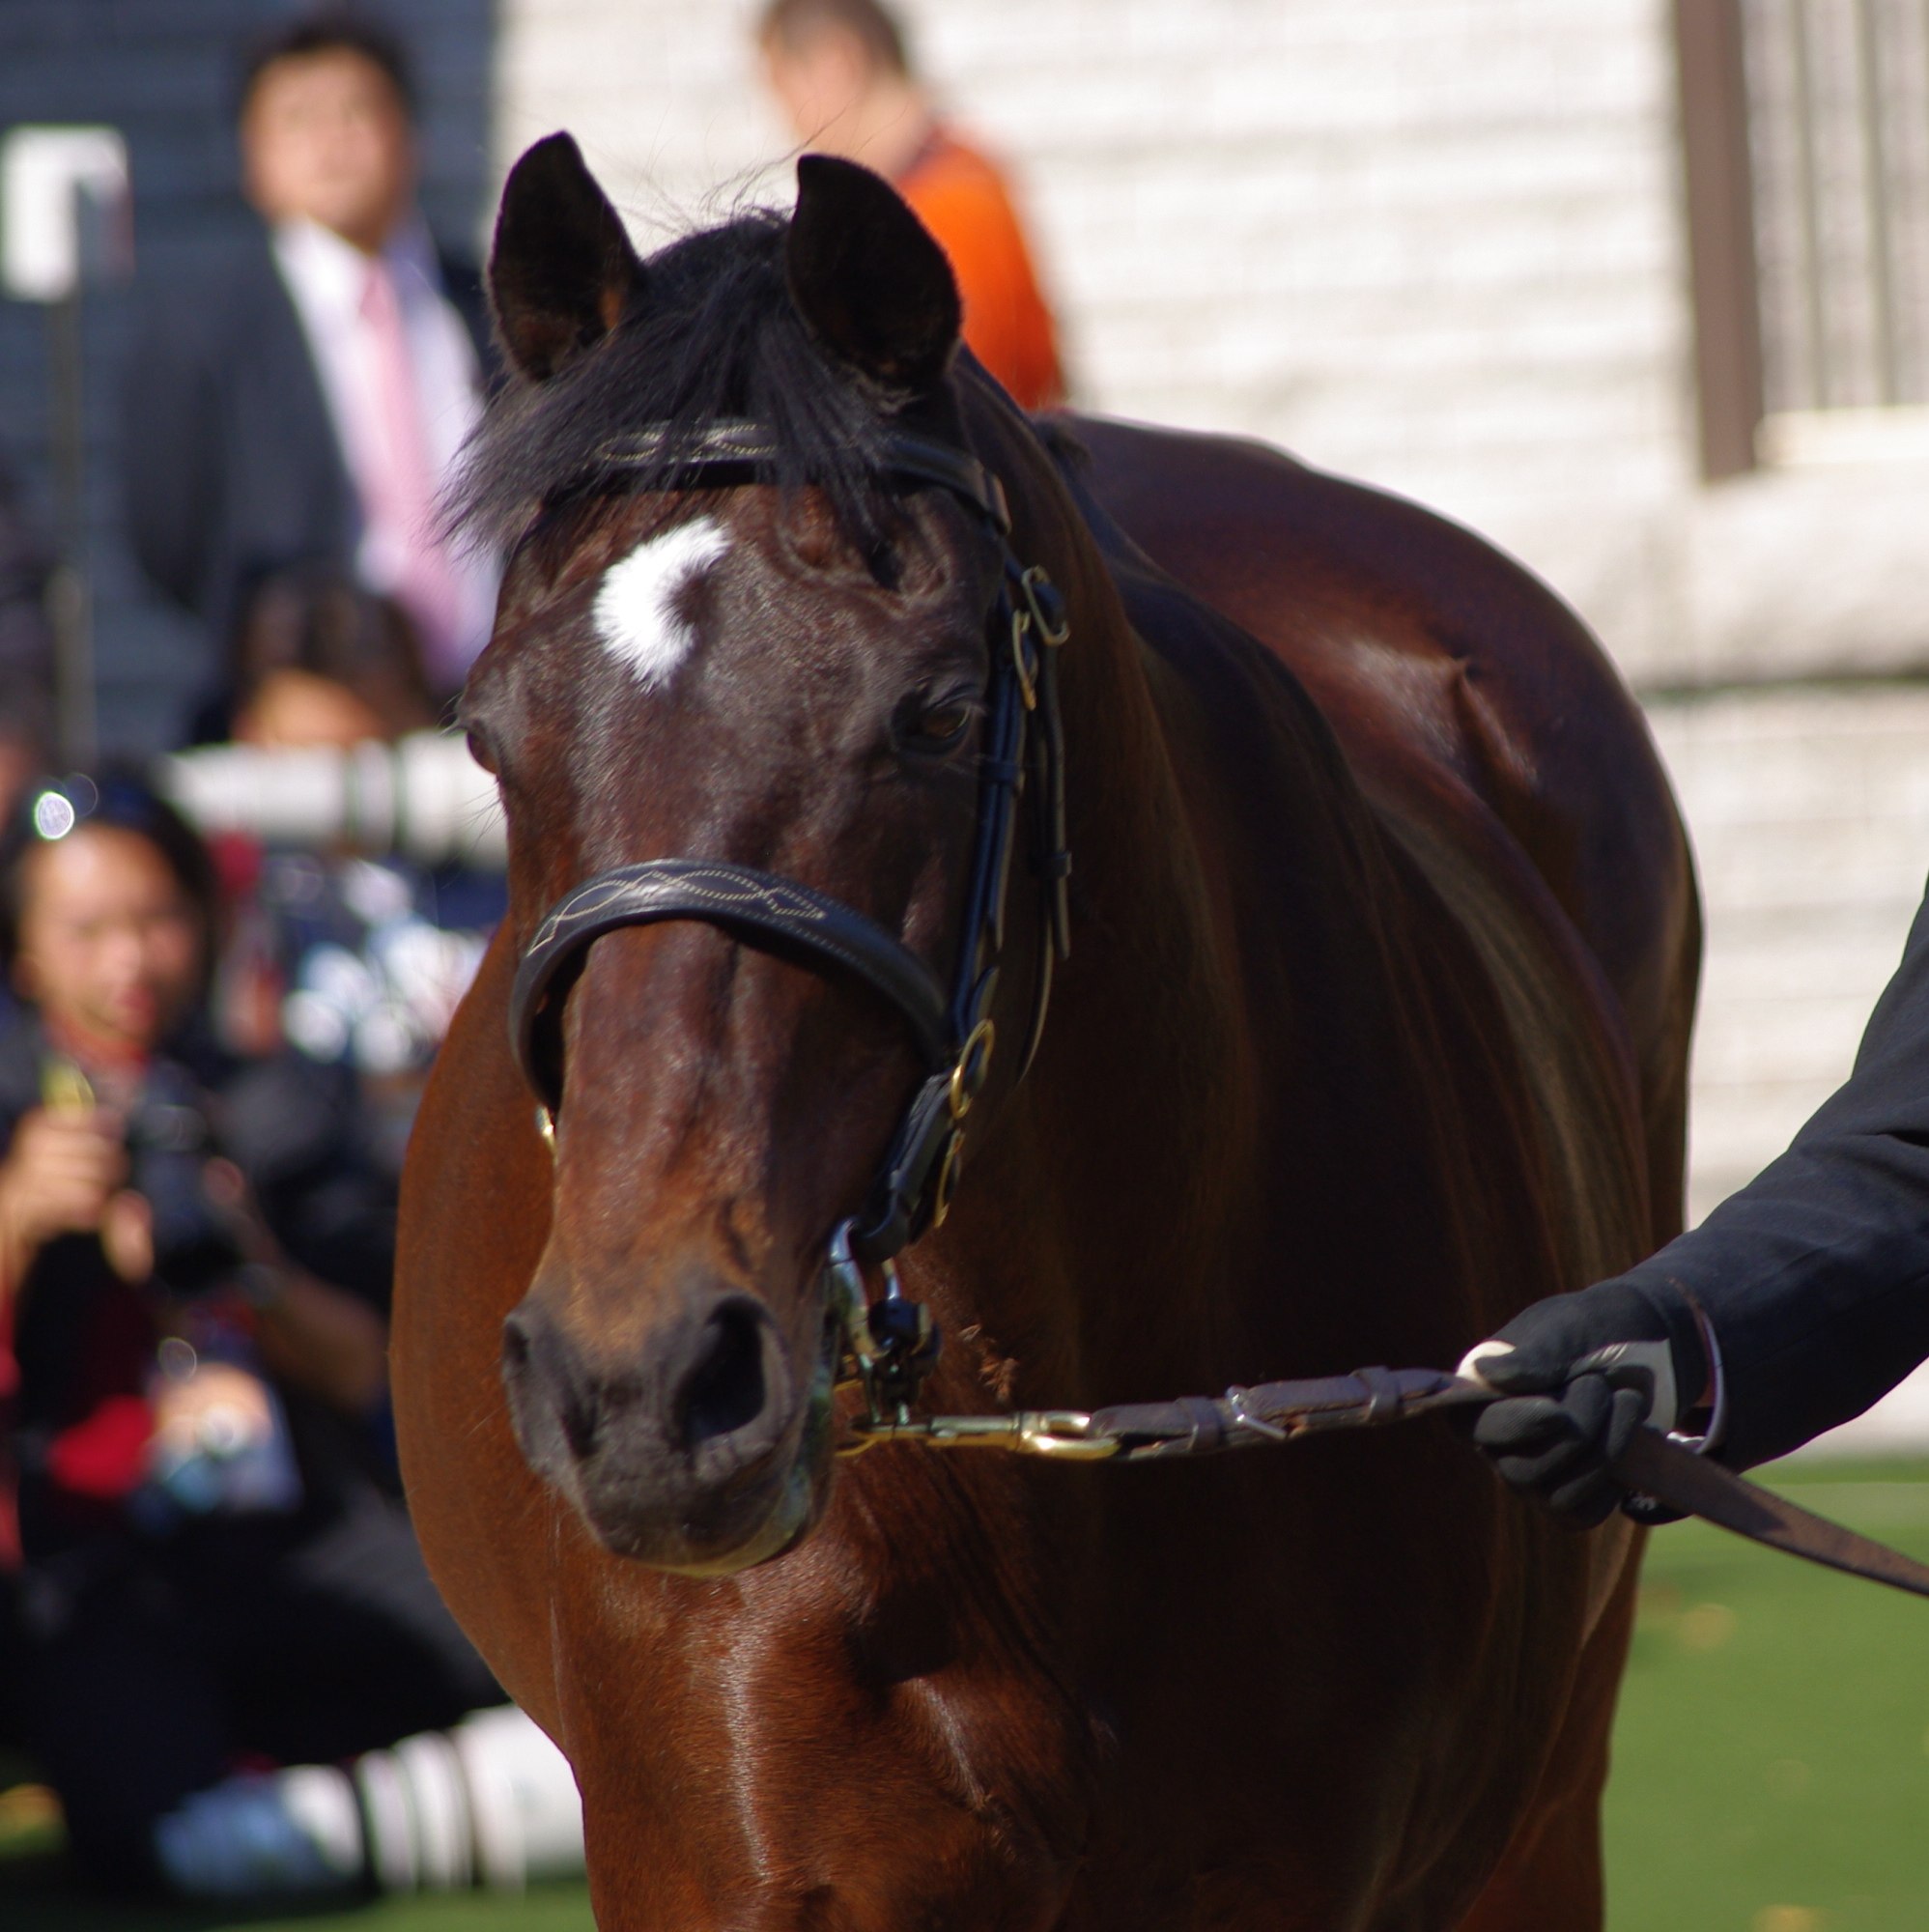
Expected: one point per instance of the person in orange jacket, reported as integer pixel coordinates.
(840, 70)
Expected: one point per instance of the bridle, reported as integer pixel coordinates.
(893, 1343)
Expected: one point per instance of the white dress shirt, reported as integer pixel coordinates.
(327, 277)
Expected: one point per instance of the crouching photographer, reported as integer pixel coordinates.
(195, 1252)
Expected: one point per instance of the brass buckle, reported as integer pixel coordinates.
(948, 1179)
(973, 1063)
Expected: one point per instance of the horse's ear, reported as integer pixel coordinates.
(867, 275)
(563, 269)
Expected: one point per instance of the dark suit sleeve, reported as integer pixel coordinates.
(298, 1131)
(1815, 1277)
(170, 467)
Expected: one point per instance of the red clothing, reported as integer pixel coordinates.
(961, 198)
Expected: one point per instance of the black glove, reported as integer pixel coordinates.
(1581, 1373)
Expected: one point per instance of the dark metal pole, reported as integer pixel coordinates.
(70, 600)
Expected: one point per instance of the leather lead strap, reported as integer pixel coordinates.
(1686, 1481)
(1276, 1412)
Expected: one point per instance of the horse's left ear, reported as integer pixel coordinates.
(868, 276)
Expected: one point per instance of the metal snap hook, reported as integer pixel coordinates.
(1047, 605)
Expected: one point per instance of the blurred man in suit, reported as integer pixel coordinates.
(840, 71)
(300, 406)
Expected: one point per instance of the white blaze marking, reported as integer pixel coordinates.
(635, 609)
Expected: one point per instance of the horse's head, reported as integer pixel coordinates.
(782, 668)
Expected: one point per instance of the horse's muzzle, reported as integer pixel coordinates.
(701, 1452)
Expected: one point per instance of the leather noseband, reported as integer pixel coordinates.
(759, 907)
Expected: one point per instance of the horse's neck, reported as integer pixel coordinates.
(1166, 1037)
(1219, 854)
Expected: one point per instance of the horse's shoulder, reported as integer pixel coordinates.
(1444, 667)
(1360, 591)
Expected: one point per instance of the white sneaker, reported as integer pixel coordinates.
(493, 1803)
(525, 1813)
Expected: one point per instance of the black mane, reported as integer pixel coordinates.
(713, 336)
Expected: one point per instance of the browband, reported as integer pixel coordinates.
(909, 457)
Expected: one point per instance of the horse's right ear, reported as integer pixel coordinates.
(563, 269)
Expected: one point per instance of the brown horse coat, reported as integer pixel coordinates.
(1373, 1032)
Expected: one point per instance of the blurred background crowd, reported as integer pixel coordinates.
(1640, 288)
(246, 877)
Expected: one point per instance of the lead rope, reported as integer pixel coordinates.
(1279, 1412)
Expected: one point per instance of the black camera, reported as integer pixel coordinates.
(170, 1141)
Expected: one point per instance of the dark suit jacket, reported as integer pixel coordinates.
(230, 464)
(1815, 1277)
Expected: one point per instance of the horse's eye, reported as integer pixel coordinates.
(480, 749)
(941, 725)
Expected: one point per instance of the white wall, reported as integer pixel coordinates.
(1809, 813)
(1432, 242)
(1436, 243)
(1810, 810)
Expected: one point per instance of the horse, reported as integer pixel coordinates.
(1337, 1009)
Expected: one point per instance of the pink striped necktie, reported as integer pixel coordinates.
(399, 491)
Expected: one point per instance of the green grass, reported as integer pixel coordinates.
(1772, 1757)
(45, 1904)
(1771, 1771)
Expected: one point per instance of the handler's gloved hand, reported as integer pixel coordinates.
(1580, 1374)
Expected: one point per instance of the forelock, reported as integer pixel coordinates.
(715, 337)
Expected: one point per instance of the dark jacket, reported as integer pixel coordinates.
(231, 469)
(1815, 1277)
(83, 1338)
(26, 643)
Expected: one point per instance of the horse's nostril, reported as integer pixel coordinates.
(726, 1389)
(582, 1424)
(515, 1344)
